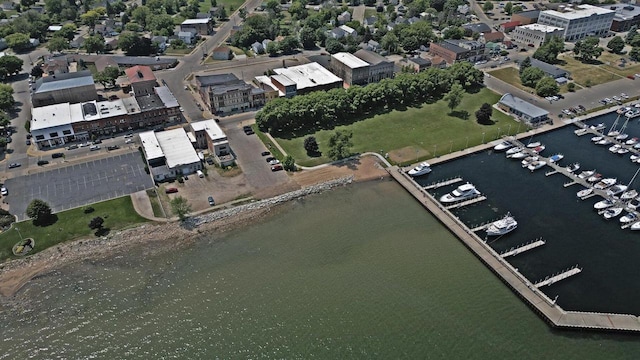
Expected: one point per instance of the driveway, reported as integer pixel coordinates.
(79, 184)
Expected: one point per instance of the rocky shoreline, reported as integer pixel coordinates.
(16, 273)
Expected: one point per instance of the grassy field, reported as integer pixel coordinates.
(415, 133)
(611, 62)
(368, 12)
(71, 224)
(581, 72)
(510, 75)
(235, 4)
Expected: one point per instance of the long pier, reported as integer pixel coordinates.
(521, 286)
(523, 248)
(443, 183)
(561, 276)
(467, 202)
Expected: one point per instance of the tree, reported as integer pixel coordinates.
(289, 44)
(311, 145)
(273, 48)
(333, 46)
(616, 45)
(571, 87)
(634, 54)
(340, 145)
(389, 42)
(586, 50)
(308, 38)
(94, 44)
(10, 64)
(631, 34)
(488, 6)
(550, 50)
(36, 71)
(108, 76)
(180, 206)
(127, 41)
(516, 9)
(289, 163)
(483, 115)
(530, 76)
(18, 41)
(547, 86)
(57, 44)
(90, 18)
(508, 8)
(6, 97)
(242, 12)
(222, 13)
(96, 224)
(454, 96)
(453, 32)
(39, 211)
(68, 31)
(524, 64)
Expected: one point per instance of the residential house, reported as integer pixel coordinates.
(189, 37)
(265, 43)
(222, 53)
(370, 21)
(550, 69)
(342, 31)
(213, 11)
(344, 18)
(55, 65)
(257, 48)
(463, 9)
(104, 62)
(373, 45)
(161, 42)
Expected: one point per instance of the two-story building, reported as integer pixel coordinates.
(226, 93)
(64, 87)
(201, 26)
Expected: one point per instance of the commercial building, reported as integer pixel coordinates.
(458, 50)
(141, 79)
(210, 136)
(578, 21)
(527, 112)
(626, 16)
(169, 154)
(308, 77)
(201, 26)
(526, 17)
(67, 87)
(509, 26)
(350, 68)
(226, 93)
(379, 67)
(535, 34)
(57, 124)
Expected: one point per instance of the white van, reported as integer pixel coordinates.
(200, 174)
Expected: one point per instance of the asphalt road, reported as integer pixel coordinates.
(79, 184)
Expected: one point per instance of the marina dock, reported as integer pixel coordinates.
(467, 202)
(440, 184)
(525, 289)
(561, 276)
(523, 248)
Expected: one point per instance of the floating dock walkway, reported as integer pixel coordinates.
(443, 183)
(561, 276)
(467, 202)
(525, 289)
(520, 249)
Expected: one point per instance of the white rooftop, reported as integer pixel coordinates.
(177, 148)
(308, 75)
(54, 28)
(63, 114)
(540, 27)
(580, 11)
(49, 116)
(212, 129)
(350, 60)
(167, 97)
(151, 145)
(196, 21)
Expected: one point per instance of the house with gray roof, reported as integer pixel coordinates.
(525, 111)
(65, 87)
(477, 28)
(550, 69)
(257, 48)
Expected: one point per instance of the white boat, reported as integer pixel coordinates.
(622, 151)
(421, 169)
(622, 137)
(615, 148)
(514, 150)
(586, 174)
(536, 165)
(539, 149)
(528, 160)
(595, 139)
(462, 192)
(616, 189)
(580, 132)
(597, 127)
(605, 183)
(635, 226)
(629, 194)
(632, 141)
(573, 167)
(613, 133)
(632, 114)
(503, 146)
(637, 146)
(612, 212)
(584, 192)
(555, 158)
(628, 217)
(603, 204)
(623, 110)
(604, 141)
(520, 155)
(634, 157)
(533, 144)
(502, 226)
(633, 204)
(594, 178)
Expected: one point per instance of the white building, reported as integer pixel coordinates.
(169, 154)
(209, 135)
(578, 21)
(535, 34)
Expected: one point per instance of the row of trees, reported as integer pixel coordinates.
(535, 78)
(326, 109)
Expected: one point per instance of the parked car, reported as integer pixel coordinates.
(29, 135)
(265, 153)
(71, 147)
(624, 95)
(211, 202)
(14, 165)
(200, 174)
(113, 147)
(83, 145)
(58, 154)
(4, 191)
(42, 162)
(209, 161)
(28, 142)
(127, 136)
(276, 167)
(94, 147)
(8, 139)
(97, 141)
(274, 162)
(170, 190)
(270, 158)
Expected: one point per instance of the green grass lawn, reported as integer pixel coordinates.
(206, 5)
(422, 132)
(71, 224)
(611, 62)
(581, 72)
(510, 75)
(369, 12)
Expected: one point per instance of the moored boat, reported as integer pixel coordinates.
(633, 204)
(556, 157)
(605, 183)
(539, 149)
(573, 167)
(628, 217)
(594, 178)
(519, 155)
(533, 144)
(622, 151)
(422, 169)
(580, 132)
(597, 127)
(615, 148)
(613, 133)
(635, 226)
(616, 189)
(502, 226)
(503, 146)
(604, 142)
(584, 192)
(586, 174)
(634, 157)
(603, 204)
(629, 194)
(632, 141)
(536, 165)
(610, 213)
(632, 114)
(622, 137)
(595, 139)
(462, 192)
(528, 160)
(514, 150)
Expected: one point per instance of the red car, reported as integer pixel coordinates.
(171, 190)
(276, 167)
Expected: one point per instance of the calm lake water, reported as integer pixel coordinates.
(359, 272)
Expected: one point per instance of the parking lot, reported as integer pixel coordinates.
(79, 184)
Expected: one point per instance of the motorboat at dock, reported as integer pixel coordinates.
(632, 114)
(616, 189)
(594, 178)
(533, 145)
(628, 217)
(584, 192)
(539, 149)
(622, 137)
(629, 194)
(595, 139)
(572, 168)
(462, 192)
(635, 226)
(555, 158)
(604, 142)
(528, 160)
(502, 226)
(514, 150)
(580, 131)
(536, 165)
(605, 183)
(597, 127)
(586, 174)
(614, 149)
(632, 141)
(610, 213)
(503, 146)
(634, 204)
(603, 204)
(422, 169)
(520, 155)
(622, 151)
